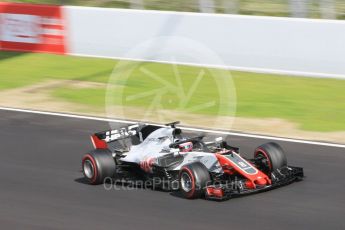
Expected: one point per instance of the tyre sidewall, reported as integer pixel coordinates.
(103, 163)
(274, 153)
(200, 177)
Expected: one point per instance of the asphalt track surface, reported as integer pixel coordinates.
(41, 186)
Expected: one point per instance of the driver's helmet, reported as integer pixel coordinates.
(186, 147)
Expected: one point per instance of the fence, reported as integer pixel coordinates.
(327, 9)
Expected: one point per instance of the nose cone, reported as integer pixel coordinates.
(261, 181)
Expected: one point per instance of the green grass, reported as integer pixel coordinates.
(21, 69)
(315, 104)
(173, 96)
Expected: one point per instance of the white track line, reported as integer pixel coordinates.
(185, 128)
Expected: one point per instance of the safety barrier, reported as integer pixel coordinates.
(306, 47)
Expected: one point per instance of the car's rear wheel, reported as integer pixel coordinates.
(98, 165)
(193, 179)
(271, 157)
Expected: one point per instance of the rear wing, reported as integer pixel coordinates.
(118, 134)
(100, 140)
(137, 133)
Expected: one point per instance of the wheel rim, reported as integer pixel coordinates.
(186, 182)
(265, 160)
(89, 170)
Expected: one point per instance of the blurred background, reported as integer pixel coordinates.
(287, 75)
(326, 9)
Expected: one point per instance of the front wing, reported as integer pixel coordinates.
(279, 177)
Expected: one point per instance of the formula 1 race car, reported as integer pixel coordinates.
(173, 161)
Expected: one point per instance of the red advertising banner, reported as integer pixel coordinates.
(29, 27)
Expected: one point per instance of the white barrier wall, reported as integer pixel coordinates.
(267, 44)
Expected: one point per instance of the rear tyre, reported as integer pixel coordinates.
(271, 156)
(98, 165)
(193, 179)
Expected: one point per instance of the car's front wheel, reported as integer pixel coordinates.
(271, 157)
(97, 165)
(193, 180)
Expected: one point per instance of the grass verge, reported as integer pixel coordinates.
(314, 104)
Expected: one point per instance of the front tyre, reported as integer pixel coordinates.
(98, 165)
(271, 157)
(193, 179)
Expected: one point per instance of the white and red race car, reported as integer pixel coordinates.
(170, 160)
